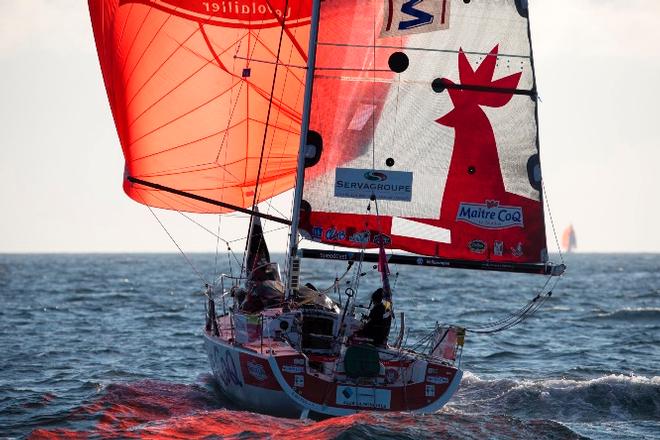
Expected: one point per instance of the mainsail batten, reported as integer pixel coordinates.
(445, 139)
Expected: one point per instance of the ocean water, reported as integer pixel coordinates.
(109, 346)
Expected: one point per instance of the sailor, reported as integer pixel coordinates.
(264, 288)
(377, 327)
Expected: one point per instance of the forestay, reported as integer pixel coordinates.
(428, 107)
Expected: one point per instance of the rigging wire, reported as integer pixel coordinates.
(552, 222)
(190, 263)
(217, 249)
(270, 106)
(217, 236)
(521, 314)
(265, 232)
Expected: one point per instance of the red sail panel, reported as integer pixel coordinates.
(190, 86)
(430, 107)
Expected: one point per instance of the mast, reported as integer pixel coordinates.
(292, 249)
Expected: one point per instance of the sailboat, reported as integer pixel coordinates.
(406, 129)
(568, 239)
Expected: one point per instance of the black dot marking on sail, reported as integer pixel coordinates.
(438, 85)
(398, 62)
(471, 169)
(522, 8)
(389, 162)
(534, 171)
(466, 1)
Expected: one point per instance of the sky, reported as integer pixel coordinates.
(61, 167)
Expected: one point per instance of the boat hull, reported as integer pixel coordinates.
(265, 396)
(277, 382)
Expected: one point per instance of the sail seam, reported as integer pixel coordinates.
(422, 49)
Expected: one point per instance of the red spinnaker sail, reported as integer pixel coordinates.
(190, 85)
(429, 106)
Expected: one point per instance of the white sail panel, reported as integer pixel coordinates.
(455, 106)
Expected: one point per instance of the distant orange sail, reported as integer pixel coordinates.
(192, 94)
(568, 239)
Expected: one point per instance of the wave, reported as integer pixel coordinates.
(501, 408)
(503, 355)
(611, 397)
(646, 313)
(156, 410)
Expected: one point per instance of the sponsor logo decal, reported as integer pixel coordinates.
(477, 246)
(517, 251)
(334, 256)
(391, 375)
(292, 369)
(438, 380)
(431, 262)
(251, 14)
(347, 392)
(360, 237)
(498, 248)
(430, 391)
(382, 239)
(257, 371)
(375, 176)
(333, 234)
(225, 368)
(490, 215)
(357, 183)
(299, 361)
(363, 397)
(317, 233)
(299, 381)
(404, 17)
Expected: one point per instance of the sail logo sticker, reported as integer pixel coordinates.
(498, 248)
(253, 14)
(477, 246)
(317, 233)
(517, 251)
(383, 239)
(375, 176)
(333, 234)
(490, 215)
(358, 183)
(360, 237)
(405, 17)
